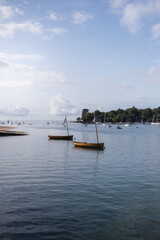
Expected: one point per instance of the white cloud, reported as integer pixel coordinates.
(117, 3)
(7, 12)
(134, 13)
(14, 111)
(60, 106)
(81, 17)
(58, 31)
(26, 2)
(8, 29)
(16, 84)
(50, 76)
(52, 15)
(3, 64)
(153, 75)
(28, 76)
(125, 85)
(156, 31)
(20, 57)
(18, 11)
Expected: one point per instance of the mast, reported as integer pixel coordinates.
(67, 125)
(96, 127)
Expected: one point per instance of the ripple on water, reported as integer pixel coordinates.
(51, 190)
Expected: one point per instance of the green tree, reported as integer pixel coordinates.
(88, 117)
(147, 114)
(99, 116)
(156, 114)
(84, 112)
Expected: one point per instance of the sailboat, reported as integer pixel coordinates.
(62, 137)
(90, 145)
(104, 124)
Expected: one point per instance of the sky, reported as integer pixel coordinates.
(58, 57)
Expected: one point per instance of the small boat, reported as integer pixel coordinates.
(104, 123)
(69, 137)
(118, 127)
(63, 137)
(127, 124)
(89, 145)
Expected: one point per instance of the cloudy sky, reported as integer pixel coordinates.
(60, 56)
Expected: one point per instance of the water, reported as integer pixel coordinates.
(52, 190)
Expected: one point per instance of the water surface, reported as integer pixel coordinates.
(52, 190)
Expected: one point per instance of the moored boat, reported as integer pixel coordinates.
(70, 137)
(63, 137)
(89, 145)
(127, 124)
(118, 127)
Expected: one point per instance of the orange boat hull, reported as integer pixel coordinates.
(89, 145)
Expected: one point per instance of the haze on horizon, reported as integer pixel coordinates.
(58, 57)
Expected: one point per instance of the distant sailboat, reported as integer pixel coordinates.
(63, 137)
(104, 124)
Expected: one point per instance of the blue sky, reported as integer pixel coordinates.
(60, 56)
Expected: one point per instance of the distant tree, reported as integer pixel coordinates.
(84, 112)
(147, 114)
(132, 114)
(99, 116)
(156, 114)
(111, 116)
(88, 117)
(120, 115)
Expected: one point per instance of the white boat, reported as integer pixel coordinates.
(153, 123)
(127, 125)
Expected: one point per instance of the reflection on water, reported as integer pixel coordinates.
(96, 167)
(53, 190)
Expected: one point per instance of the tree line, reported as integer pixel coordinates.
(120, 115)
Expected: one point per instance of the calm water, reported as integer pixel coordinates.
(51, 190)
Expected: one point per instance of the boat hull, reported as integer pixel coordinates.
(89, 145)
(12, 133)
(70, 137)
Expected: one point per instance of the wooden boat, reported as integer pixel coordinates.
(89, 145)
(65, 137)
(69, 137)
